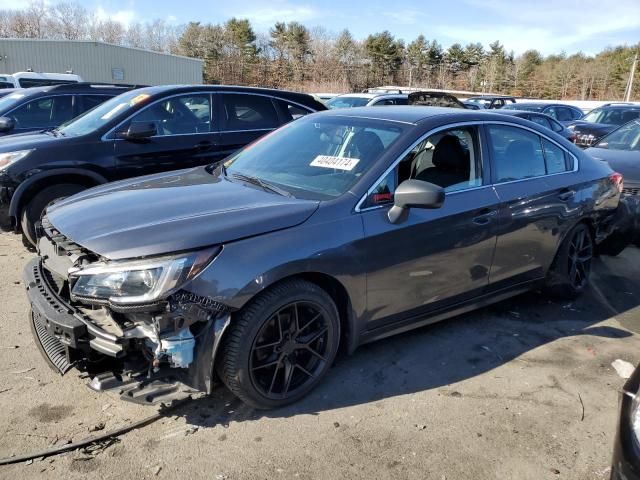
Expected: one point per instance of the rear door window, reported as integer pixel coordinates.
(556, 159)
(248, 112)
(291, 111)
(517, 153)
(46, 112)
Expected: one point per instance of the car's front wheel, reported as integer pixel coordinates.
(569, 274)
(280, 345)
(33, 212)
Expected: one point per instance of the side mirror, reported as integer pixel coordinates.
(140, 131)
(6, 124)
(414, 194)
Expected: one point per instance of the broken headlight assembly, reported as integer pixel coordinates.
(139, 281)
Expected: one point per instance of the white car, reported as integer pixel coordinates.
(349, 100)
(36, 79)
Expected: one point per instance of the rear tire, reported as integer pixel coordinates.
(280, 345)
(33, 212)
(569, 273)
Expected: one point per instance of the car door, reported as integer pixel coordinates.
(186, 136)
(42, 113)
(244, 117)
(532, 178)
(434, 258)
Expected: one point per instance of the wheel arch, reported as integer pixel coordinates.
(339, 293)
(30, 187)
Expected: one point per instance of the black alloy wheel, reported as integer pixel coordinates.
(579, 258)
(568, 276)
(290, 350)
(280, 345)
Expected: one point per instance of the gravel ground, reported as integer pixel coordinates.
(523, 389)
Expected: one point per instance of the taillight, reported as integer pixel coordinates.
(617, 180)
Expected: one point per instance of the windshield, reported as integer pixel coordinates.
(524, 107)
(347, 102)
(626, 137)
(9, 101)
(611, 116)
(103, 113)
(316, 158)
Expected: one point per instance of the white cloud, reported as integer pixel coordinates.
(278, 11)
(15, 4)
(125, 17)
(546, 25)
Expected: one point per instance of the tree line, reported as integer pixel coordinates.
(293, 56)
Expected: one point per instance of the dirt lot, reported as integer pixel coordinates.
(520, 390)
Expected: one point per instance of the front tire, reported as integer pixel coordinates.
(33, 212)
(569, 274)
(280, 345)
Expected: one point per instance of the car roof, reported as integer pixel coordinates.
(544, 104)
(71, 88)
(415, 114)
(169, 89)
(490, 96)
(625, 106)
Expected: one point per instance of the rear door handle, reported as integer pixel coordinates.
(485, 216)
(566, 195)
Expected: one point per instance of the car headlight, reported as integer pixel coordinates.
(8, 158)
(138, 281)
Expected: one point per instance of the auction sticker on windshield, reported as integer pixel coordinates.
(340, 163)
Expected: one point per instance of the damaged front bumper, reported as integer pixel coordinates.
(151, 355)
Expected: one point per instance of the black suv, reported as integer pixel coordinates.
(40, 108)
(143, 131)
(603, 120)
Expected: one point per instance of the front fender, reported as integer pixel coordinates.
(247, 267)
(31, 181)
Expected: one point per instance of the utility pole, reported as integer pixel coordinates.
(629, 88)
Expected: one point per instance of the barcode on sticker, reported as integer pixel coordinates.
(341, 163)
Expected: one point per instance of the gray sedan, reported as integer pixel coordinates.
(340, 228)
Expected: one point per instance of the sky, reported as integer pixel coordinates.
(550, 26)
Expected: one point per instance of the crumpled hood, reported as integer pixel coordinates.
(624, 162)
(171, 212)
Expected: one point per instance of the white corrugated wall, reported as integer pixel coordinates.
(97, 62)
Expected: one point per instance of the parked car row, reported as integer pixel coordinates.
(585, 130)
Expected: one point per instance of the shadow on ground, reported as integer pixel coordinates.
(443, 354)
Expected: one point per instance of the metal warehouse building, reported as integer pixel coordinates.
(98, 62)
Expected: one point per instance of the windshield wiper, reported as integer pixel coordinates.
(266, 186)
